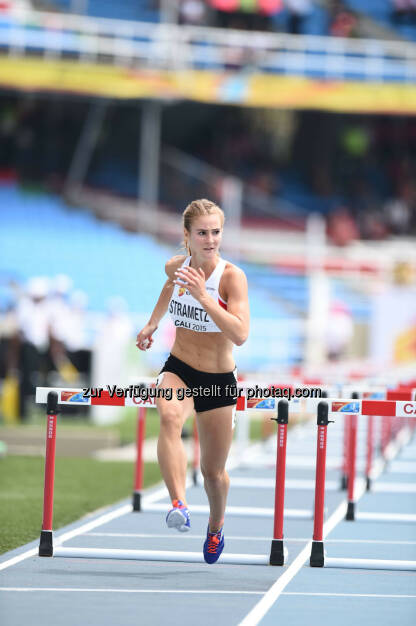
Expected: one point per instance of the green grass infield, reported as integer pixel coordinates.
(82, 485)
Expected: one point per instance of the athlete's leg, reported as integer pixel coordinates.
(170, 450)
(215, 436)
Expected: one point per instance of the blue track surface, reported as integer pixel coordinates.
(96, 592)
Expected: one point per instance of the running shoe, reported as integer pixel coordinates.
(179, 517)
(213, 546)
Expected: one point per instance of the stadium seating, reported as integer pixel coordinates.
(41, 227)
(381, 11)
(40, 232)
(138, 10)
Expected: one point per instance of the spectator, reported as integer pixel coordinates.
(192, 12)
(299, 11)
(341, 227)
(77, 340)
(109, 355)
(339, 331)
(33, 315)
(343, 21)
(397, 215)
(404, 11)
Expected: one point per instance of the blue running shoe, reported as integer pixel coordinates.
(213, 546)
(179, 517)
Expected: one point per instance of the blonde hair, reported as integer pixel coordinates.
(195, 209)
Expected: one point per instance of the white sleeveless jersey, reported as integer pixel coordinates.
(186, 312)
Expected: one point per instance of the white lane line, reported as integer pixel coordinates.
(238, 538)
(202, 592)
(261, 608)
(393, 487)
(401, 467)
(345, 595)
(103, 519)
(84, 590)
(160, 493)
(17, 559)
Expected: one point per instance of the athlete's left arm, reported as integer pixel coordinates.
(234, 322)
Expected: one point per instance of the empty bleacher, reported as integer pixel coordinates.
(40, 235)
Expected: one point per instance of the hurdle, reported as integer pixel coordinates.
(53, 397)
(389, 436)
(318, 557)
(75, 397)
(56, 396)
(262, 403)
(390, 445)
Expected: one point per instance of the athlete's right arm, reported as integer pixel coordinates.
(144, 338)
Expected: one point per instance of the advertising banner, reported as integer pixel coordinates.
(240, 88)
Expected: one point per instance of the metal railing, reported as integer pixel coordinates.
(172, 47)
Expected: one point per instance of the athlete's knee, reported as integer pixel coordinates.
(213, 474)
(171, 420)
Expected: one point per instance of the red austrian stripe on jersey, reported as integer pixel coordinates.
(222, 303)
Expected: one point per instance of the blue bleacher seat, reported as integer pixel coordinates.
(40, 235)
(382, 11)
(137, 10)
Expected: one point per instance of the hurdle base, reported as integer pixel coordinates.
(158, 555)
(375, 564)
(137, 501)
(317, 554)
(195, 477)
(344, 482)
(350, 516)
(277, 552)
(46, 543)
(368, 484)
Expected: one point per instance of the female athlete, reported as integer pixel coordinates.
(207, 299)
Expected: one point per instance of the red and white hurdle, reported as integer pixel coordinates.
(326, 408)
(54, 397)
(71, 397)
(318, 557)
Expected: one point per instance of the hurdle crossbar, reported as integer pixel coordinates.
(336, 406)
(236, 511)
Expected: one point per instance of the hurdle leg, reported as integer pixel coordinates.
(138, 474)
(369, 458)
(277, 548)
(385, 435)
(46, 536)
(317, 551)
(242, 435)
(344, 474)
(352, 450)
